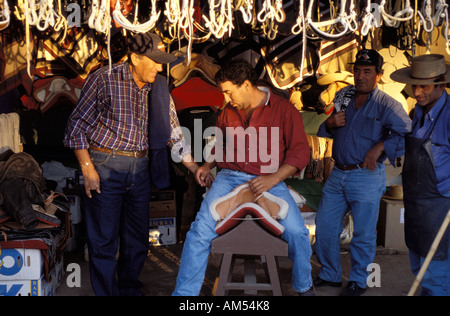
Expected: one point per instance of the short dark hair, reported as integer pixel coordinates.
(237, 71)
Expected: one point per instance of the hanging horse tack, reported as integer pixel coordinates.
(135, 27)
(220, 20)
(5, 16)
(371, 18)
(394, 21)
(341, 19)
(247, 11)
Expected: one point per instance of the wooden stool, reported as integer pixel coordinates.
(248, 240)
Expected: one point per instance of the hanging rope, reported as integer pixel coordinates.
(427, 20)
(220, 19)
(139, 28)
(4, 14)
(246, 8)
(369, 19)
(394, 21)
(341, 19)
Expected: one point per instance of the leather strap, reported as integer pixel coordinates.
(126, 153)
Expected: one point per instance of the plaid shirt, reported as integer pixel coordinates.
(112, 112)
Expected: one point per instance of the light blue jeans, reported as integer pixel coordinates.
(360, 191)
(198, 240)
(436, 280)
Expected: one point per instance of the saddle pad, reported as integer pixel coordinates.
(258, 213)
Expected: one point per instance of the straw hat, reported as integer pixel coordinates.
(395, 193)
(424, 70)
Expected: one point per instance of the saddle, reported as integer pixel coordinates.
(230, 209)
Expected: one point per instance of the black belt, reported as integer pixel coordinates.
(345, 168)
(126, 153)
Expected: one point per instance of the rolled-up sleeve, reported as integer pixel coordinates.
(297, 147)
(176, 142)
(398, 125)
(84, 116)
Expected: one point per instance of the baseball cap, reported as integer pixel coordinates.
(369, 57)
(150, 45)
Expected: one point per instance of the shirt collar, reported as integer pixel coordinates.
(127, 76)
(266, 90)
(435, 110)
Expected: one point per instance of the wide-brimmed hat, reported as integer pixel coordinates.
(150, 45)
(424, 70)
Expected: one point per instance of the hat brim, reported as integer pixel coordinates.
(162, 57)
(404, 76)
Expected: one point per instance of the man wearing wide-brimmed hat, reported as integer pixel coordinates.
(426, 172)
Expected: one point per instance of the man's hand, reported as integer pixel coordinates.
(262, 184)
(370, 162)
(203, 176)
(335, 120)
(91, 179)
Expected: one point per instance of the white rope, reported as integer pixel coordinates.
(247, 11)
(269, 15)
(45, 15)
(341, 19)
(5, 13)
(394, 21)
(427, 20)
(220, 18)
(370, 20)
(103, 20)
(442, 10)
(299, 25)
(30, 12)
(139, 28)
(351, 17)
(441, 13)
(94, 13)
(270, 12)
(186, 23)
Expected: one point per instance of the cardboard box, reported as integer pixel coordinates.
(163, 204)
(162, 231)
(34, 287)
(21, 264)
(391, 224)
(38, 287)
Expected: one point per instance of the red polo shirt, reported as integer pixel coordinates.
(274, 136)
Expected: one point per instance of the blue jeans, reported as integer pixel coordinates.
(436, 280)
(360, 191)
(120, 213)
(197, 246)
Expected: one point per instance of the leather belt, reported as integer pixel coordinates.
(345, 168)
(126, 153)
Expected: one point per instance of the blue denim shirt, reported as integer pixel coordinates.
(380, 119)
(439, 117)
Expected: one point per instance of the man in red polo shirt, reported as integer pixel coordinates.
(260, 141)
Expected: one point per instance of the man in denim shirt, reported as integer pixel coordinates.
(367, 126)
(426, 173)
